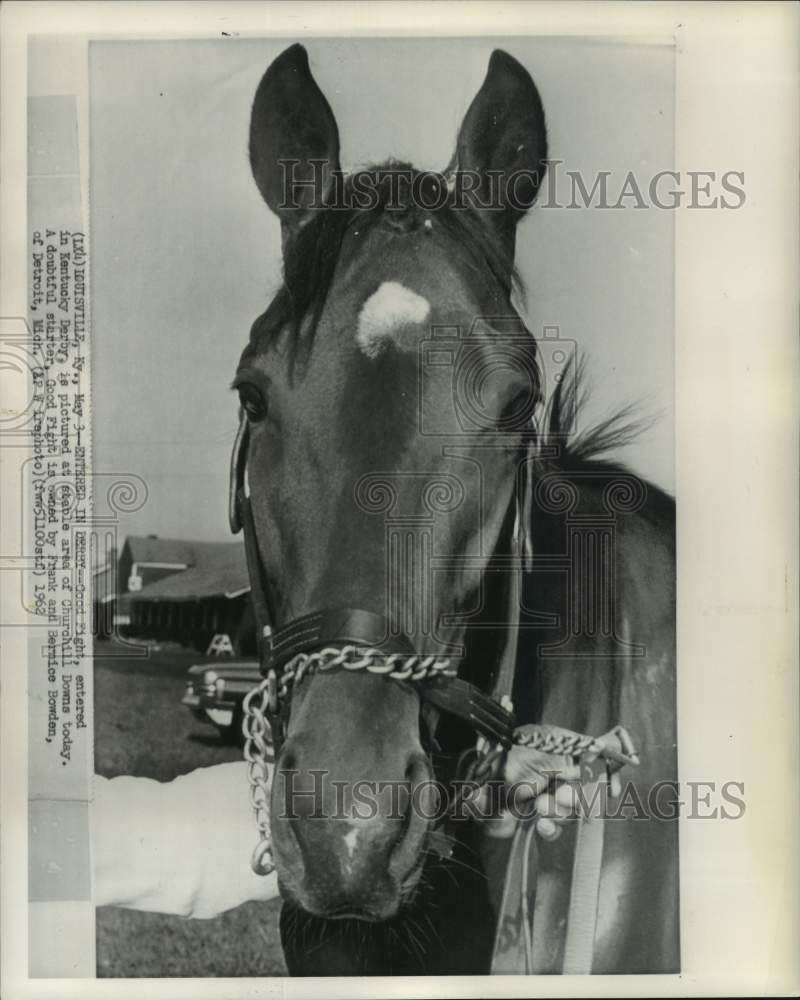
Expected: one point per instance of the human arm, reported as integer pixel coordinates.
(180, 847)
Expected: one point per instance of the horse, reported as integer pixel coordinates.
(397, 451)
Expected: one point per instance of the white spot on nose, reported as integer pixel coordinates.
(350, 840)
(385, 313)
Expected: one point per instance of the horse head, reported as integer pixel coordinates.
(387, 391)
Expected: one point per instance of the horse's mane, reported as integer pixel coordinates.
(561, 449)
(310, 255)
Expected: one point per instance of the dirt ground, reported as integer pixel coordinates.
(141, 728)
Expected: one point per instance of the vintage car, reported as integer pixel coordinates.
(215, 692)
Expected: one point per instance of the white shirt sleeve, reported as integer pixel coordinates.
(180, 847)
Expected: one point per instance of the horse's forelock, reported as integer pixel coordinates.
(311, 254)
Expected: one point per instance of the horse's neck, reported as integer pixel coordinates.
(577, 671)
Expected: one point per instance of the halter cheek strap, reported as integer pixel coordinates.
(522, 550)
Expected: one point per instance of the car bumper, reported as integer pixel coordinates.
(222, 717)
(220, 713)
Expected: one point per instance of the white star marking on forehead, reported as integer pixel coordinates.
(386, 312)
(351, 839)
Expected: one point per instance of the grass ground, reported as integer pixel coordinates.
(141, 728)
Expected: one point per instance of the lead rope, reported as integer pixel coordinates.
(587, 865)
(514, 932)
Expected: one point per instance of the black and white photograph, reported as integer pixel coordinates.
(420, 483)
(375, 490)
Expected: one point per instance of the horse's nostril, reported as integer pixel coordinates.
(416, 813)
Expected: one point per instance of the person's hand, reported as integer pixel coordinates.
(551, 781)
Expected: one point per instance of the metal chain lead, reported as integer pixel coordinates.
(256, 752)
(269, 694)
(413, 668)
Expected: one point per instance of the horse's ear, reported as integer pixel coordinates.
(503, 140)
(294, 141)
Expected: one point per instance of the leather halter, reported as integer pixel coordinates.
(277, 645)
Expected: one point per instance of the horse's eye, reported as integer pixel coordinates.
(517, 415)
(252, 400)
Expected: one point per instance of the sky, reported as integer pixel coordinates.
(185, 254)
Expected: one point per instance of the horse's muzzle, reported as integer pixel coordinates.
(348, 845)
